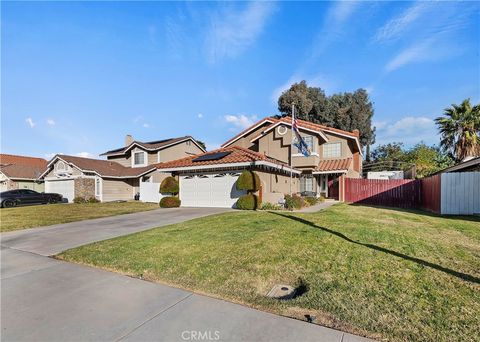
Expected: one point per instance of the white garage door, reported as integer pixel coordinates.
(62, 187)
(209, 190)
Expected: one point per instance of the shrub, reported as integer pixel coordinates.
(79, 200)
(248, 202)
(294, 202)
(311, 200)
(169, 185)
(93, 200)
(248, 181)
(270, 206)
(170, 202)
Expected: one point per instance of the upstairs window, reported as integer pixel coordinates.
(139, 158)
(332, 150)
(309, 141)
(61, 166)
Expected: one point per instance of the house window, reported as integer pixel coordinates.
(97, 187)
(139, 158)
(332, 150)
(309, 141)
(306, 183)
(189, 143)
(61, 166)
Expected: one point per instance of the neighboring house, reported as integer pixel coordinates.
(140, 154)
(385, 174)
(120, 176)
(208, 179)
(20, 172)
(468, 165)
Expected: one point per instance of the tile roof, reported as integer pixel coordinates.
(21, 167)
(106, 168)
(6, 159)
(288, 120)
(237, 155)
(334, 164)
(151, 145)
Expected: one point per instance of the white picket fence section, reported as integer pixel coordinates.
(460, 193)
(150, 192)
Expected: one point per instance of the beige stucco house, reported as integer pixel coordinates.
(20, 172)
(208, 179)
(121, 175)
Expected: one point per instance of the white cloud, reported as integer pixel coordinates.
(232, 32)
(30, 122)
(415, 53)
(342, 10)
(240, 121)
(396, 26)
(200, 115)
(409, 130)
(212, 146)
(50, 122)
(49, 156)
(146, 125)
(84, 154)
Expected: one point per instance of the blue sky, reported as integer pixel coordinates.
(77, 77)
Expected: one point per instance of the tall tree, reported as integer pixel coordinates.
(347, 111)
(460, 130)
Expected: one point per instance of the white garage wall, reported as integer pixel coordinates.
(150, 192)
(460, 193)
(63, 187)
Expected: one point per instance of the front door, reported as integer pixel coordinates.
(333, 187)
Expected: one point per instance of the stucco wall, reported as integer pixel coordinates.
(275, 185)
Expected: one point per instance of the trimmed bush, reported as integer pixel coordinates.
(311, 200)
(93, 200)
(248, 202)
(169, 185)
(270, 206)
(170, 202)
(248, 181)
(294, 202)
(79, 200)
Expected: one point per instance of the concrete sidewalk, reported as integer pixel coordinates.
(43, 299)
(317, 207)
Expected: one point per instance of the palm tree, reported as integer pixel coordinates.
(460, 130)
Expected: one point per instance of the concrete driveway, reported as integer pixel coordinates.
(43, 299)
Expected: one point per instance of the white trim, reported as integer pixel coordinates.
(159, 157)
(152, 149)
(320, 133)
(99, 190)
(301, 155)
(96, 173)
(241, 134)
(219, 166)
(328, 172)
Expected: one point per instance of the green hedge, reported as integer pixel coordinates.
(170, 202)
(169, 186)
(248, 181)
(248, 202)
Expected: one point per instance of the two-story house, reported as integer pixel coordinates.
(208, 179)
(119, 176)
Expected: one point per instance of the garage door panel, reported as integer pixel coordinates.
(209, 190)
(62, 187)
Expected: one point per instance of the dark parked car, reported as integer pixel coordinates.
(13, 198)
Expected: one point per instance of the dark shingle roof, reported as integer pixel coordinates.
(151, 145)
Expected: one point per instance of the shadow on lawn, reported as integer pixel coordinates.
(463, 276)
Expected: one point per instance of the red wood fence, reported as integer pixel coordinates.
(431, 193)
(401, 193)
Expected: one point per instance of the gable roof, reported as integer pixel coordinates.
(103, 168)
(151, 145)
(21, 167)
(237, 156)
(287, 120)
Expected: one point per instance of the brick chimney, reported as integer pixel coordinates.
(128, 139)
(356, 132)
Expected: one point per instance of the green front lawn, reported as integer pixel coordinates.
(387, 274)
(45, 215)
